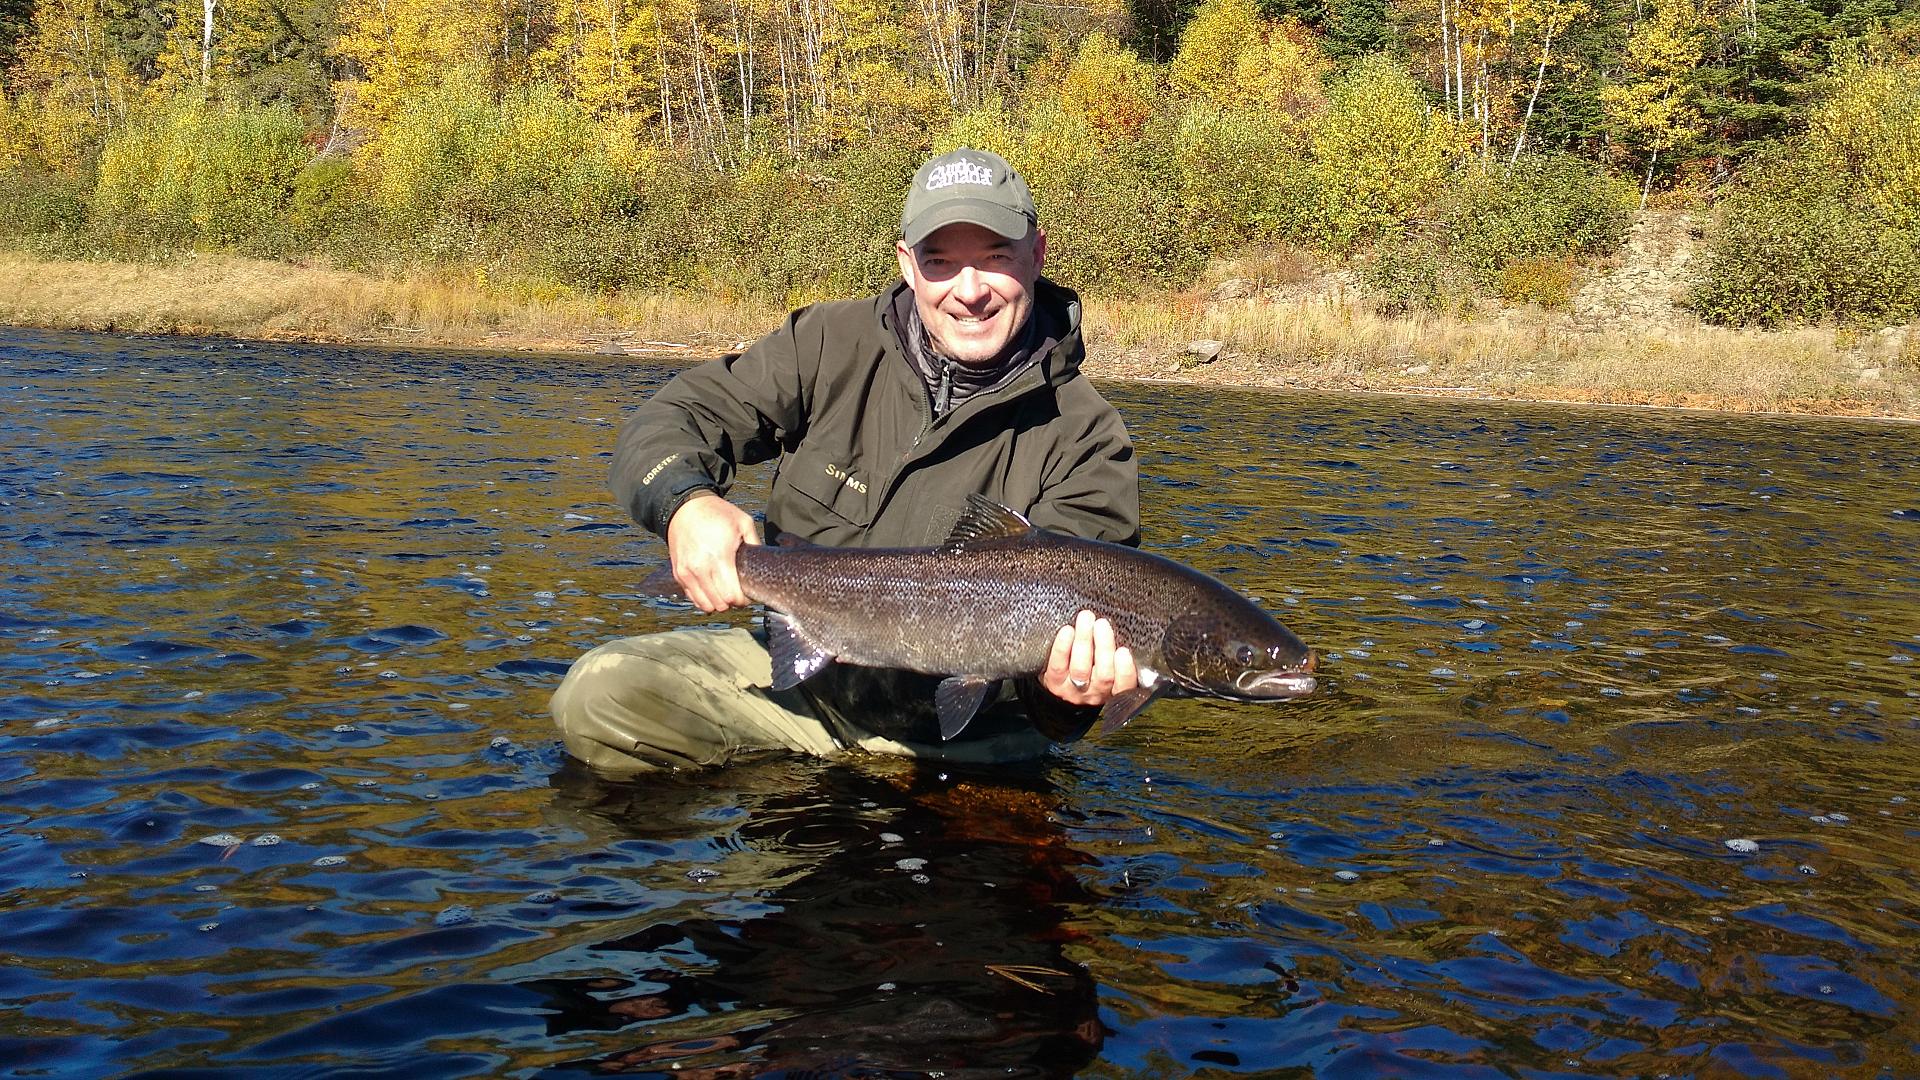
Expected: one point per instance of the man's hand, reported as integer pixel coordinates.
(1085, 667)
(702, 538)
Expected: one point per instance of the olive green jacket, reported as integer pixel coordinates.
(863, 462)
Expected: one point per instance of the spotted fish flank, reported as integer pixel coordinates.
(987, 604)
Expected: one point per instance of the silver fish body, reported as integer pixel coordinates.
(987, 605)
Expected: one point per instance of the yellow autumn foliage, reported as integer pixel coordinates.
(1236, 58)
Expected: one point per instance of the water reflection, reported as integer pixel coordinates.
(900, 924)
(1612, 770)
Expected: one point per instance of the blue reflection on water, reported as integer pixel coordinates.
(1611, 773)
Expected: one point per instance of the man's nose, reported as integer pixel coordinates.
(970, 286)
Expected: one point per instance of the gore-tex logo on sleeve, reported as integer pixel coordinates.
(959, 172)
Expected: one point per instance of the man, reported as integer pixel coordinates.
(884, 413)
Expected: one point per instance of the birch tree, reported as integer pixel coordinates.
(1653, 107)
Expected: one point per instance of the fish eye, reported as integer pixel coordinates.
(1244, 653)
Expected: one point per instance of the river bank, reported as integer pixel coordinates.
(1275, 323)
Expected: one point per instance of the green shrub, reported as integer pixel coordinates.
(1546, 280)
(325, 196)
(1414, 273)
(1546, 206)
(143, 198)
(1379, 153)
(245, 163)
(1244, 178)
(41, 204)
(189, 172)
(1800, 241)
(421, 167)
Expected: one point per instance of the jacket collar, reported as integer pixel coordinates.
(1056, 306)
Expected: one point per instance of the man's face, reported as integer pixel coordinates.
(974, 287)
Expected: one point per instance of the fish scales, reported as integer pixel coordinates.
(989, 608)
(989, 603)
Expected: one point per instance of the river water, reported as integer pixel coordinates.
(1614, 769)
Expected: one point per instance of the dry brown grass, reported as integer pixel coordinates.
(1301, 331)
(1334, 341)
(225, 295)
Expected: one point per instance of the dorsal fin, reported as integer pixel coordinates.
(985, 519)
(788, 540)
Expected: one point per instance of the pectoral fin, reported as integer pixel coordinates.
(661, 583)
(958, 699)
(1121, 708)
(794, 656)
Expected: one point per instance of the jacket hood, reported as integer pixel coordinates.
(1057, 305)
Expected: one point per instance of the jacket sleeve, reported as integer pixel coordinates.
(694, 433)
(1092, 491)
(1092, 484)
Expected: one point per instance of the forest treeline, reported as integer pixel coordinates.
(1449, 149)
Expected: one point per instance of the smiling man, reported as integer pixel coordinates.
(884, 414)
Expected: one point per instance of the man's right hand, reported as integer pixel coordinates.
(702, 538)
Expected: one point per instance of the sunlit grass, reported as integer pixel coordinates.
(1297, 329)
(225, 295)
(1335, 341)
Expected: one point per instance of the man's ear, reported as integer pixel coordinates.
(909, 270)
(1039, 248)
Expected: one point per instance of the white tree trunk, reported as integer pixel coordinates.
(206, 41)
(1539, 80)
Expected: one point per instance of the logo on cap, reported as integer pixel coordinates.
(958, 172)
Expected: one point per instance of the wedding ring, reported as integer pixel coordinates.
(1078, 684)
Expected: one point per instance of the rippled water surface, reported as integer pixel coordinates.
(1613, 771)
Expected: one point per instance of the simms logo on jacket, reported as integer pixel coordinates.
(959, 172)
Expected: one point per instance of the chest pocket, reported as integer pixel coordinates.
(842, 492)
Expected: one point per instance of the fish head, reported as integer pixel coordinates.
(1240, 653)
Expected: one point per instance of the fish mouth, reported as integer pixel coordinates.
(1277, 686)
(1291, 682)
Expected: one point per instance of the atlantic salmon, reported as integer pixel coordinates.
(986, 605)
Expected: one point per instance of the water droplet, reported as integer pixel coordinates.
(1807, 870)
(220, 840)
(702, 873)
(544, 896)
(265, 840)
(891, 838)
(910, 864)
(342, 729)
(311, 785)
(204, 927)
(205, 888)
(1743, 846)
(330, 860)
(1346, 875)
(921, 879)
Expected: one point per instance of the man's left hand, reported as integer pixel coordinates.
(1086, 667)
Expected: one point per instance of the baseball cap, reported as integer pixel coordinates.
(975, 186)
